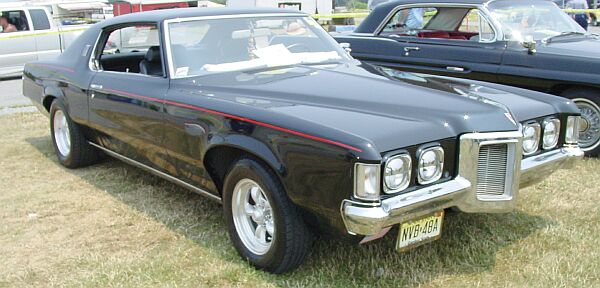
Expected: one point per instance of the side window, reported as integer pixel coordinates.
(13, 21)
(480, 28)
(131, 49)
(407, 21)
(39, 19)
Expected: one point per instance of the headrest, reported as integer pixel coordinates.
(153, 54)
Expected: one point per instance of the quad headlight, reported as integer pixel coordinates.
(431, 165)
(531, 138)
(396, 176)
(366, 181)
(572, 133)
(551, 132)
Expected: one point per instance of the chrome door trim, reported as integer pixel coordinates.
(158, 173)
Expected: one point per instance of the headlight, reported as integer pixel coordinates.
(551, 133)
(572, 135)
(531, 138)
(431, 165)
(366, 186)
(397, 173)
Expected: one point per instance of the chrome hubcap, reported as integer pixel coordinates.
(62, 135)
(589, 126)
(252, 216)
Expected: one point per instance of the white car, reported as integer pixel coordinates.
(36, 38)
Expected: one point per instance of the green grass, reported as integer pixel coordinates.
(115, 225)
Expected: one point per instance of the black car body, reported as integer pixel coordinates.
(511, 42)
(314, 136)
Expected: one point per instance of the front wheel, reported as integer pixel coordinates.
(588, 102)
(265, 227)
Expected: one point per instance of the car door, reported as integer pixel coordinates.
(17, 47)
(126, 105)
(47, 44)
(450, 41)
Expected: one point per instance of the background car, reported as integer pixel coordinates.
(530, 44)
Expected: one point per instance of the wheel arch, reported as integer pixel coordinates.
(219, 157)
(49, 95)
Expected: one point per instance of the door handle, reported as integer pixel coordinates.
(96, 86)
(408, 49)
(455, 69)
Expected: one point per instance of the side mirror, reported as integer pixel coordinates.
(346, 46)
(530, 45)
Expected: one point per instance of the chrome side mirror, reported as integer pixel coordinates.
(530, 45)
(346, 47)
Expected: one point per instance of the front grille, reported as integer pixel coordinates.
(491, 170)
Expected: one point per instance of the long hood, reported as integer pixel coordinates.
(580, 47)
(385, 108)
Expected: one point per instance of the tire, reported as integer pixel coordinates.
(291, 239)
(588, 101)
(70, 144)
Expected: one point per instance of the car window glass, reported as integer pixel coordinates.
(131, 39)
(39, 19)
(16, 19)
(132, 49)
(411, 19)
(474, 23)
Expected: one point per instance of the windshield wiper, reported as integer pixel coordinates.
(563, 34)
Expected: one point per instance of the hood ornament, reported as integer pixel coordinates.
(510, 117)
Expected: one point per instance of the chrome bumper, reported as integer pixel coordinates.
(371, 219)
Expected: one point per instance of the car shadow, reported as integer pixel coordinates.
(470, 242)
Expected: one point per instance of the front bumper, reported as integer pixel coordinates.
(461, 192)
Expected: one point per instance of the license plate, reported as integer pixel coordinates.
(420, 231)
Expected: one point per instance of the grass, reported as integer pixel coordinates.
(115, 225)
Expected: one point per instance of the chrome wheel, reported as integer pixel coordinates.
(589, 128)
(62, 135)
(252, 216)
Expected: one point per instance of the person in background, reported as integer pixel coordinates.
(6, 26)
(580, 17)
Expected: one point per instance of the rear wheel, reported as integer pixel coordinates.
(587, 100)
(264, 225)
(70, 144)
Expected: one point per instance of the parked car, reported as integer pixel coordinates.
(36, 38)
(525, 43)
(263, 111)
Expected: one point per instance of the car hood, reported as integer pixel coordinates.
(579, 46)
(376, 107)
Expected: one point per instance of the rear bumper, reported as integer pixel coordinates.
(371, 219)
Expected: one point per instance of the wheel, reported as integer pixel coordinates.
(70, 145)
(589, 132)
(264, 225)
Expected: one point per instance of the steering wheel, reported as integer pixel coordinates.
(298, 47)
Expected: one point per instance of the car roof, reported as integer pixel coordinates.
(161, 15)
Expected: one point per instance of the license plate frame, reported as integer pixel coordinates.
(410, 238)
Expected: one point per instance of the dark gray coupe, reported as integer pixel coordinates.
(263, 111)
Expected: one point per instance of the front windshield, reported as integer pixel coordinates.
(531, 20)
(200, 47)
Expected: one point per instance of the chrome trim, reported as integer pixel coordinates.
(368, 219)
(389, 190)
(534, 169)
(158, 173)
(538, 133)
(167, 38)
(557, 124)
(482, 10)
(439, 173)
(378, 166)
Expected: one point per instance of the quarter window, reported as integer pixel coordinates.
(474, 23)
(39, 19)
